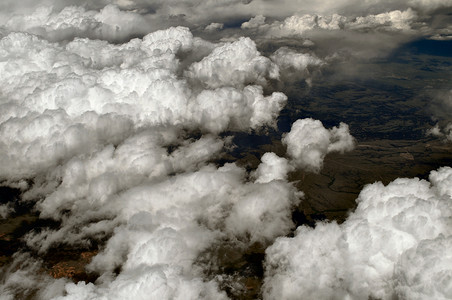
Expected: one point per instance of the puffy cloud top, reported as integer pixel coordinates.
(299, 25)
(393, 20)
(161, 224)
(286, 58)
(393, 245)
(308, 142)
(118, 136)
(104, 130)
(237, 63)
(158, 13)
(58, 100)
(254, 22)
(272, 167)
(109, 23)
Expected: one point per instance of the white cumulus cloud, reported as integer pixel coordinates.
(118, 141)
(394, 245)
(308, 142)
(237, 64)
(109, 23)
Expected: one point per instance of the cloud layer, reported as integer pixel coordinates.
(393, 245)
(59, 101)
(113, 123)
(117, 141)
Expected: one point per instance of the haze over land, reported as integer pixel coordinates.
(226, 149)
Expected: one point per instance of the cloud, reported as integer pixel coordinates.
(119, 129)
(158, 281)
(24, 277)
(445, 132)
(110, 23)
(391, 246)
(297, 25)
(214, 27)
(237, 64)
(344, 7)
(85, 186)
(118, 141)
(60, 101)
(6, 210)
(346, 35)
(159, 226)
(393, 20)
(158, 13)
(237, 109)
(308, 142)
(429, 4)
(162, 14)
(294, 65)
(442, 109)
(300, 25)
(254, 22)
(272, 168)
(421, 271)
(289, 59)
